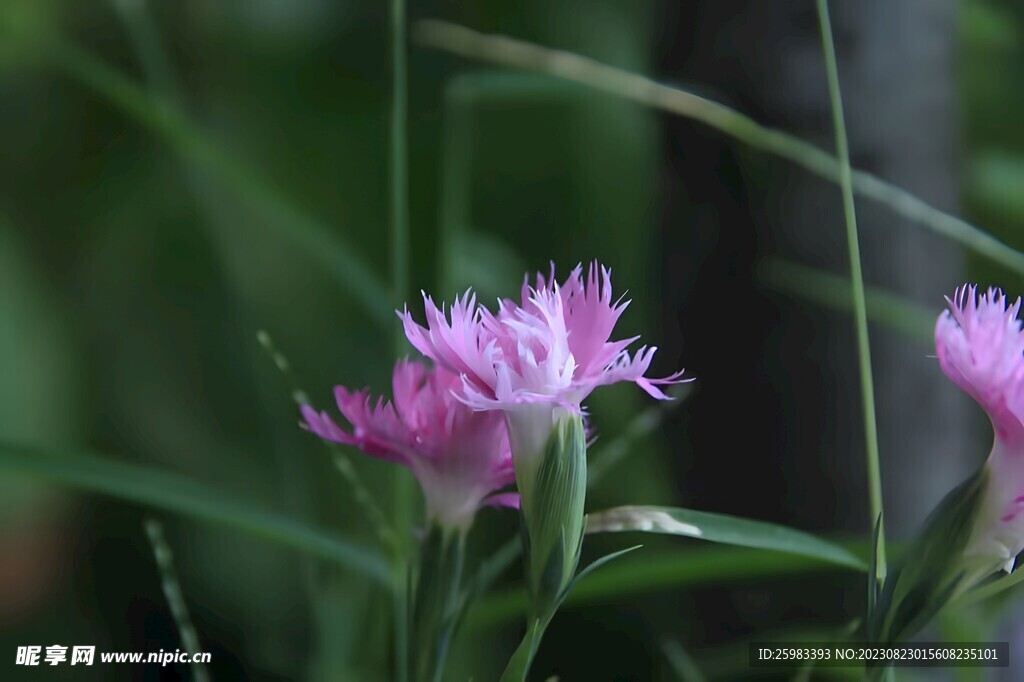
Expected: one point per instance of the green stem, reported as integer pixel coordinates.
(436, 601)
(174, 595)
(456, 152)
(519, 664)
(399, 179)
(867, 386)
(398, 191)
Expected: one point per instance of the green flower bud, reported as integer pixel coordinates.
(552, 514)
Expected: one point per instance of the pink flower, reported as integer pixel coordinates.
(538, 359)
(460, 457)
(980, 347)
(553, 347)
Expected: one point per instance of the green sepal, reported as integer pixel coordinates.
(553, 578)
(553, 514)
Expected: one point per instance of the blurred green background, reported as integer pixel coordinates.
(176, 176)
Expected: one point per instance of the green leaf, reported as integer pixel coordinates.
(176, 493)
(720, 528)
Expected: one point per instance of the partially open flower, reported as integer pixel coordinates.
(980, 347)
(459, 456)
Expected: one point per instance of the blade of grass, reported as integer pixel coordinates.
(498, 49)
(317, 240)
(175, 597)
(867, 385)
(833, 291)
(176, 493)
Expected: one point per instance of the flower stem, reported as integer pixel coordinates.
(454, 200)
(399, 177)
(436, 601)
(175, 598)
(867, 386)
(398, 191)
(519, 665)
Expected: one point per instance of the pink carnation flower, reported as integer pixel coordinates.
(980, 347)
(460, 457)
(539, 358)
(553, 347)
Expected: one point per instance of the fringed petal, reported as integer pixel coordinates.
(980, 347)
